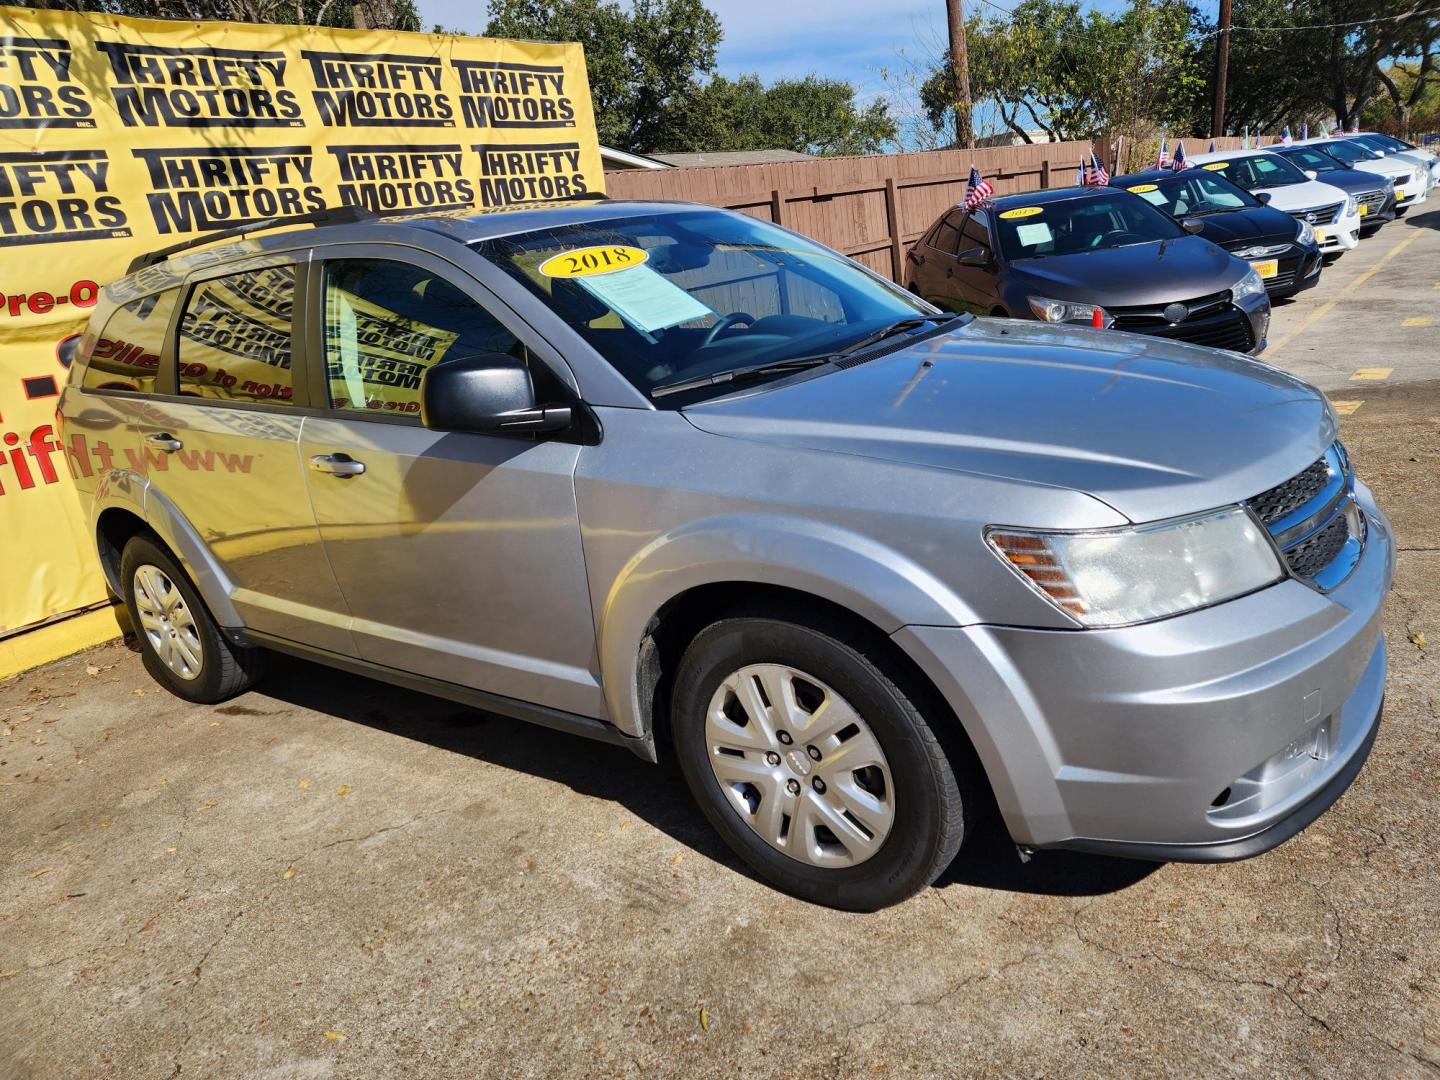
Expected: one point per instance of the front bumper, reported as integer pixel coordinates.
(1208, 736)
(1341, 235)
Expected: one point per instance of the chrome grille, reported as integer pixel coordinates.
(1314, 520)
(1373, 201)
(1324, 215)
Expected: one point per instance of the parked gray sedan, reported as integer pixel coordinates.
(664, 475)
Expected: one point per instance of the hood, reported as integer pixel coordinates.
(1154, 428)
(1302, 196)
(1154, 273)
(1261, 224)
(1351, 180)
(1386, 166)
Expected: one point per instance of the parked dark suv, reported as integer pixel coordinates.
(1059, 255)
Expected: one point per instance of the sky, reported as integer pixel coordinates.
(783, 38)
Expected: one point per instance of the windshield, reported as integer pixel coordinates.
(1315, 160)
(1377, 143)
(1194, 192)
(1259, 171)
(1350, 151)
(666, 297)
(1070, 226)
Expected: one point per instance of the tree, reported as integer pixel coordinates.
(810, 115)
(1413, 90)
(645, 64)
(1053, 67)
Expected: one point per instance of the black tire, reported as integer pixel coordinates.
(224, 669)
(935, 793)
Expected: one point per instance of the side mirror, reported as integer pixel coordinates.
(973, 257)
(488, 394)
(1312, 174)
(1192, 225)
(1264, 197)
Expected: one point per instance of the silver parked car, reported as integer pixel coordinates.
(665, 475)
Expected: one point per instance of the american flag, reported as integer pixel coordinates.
(1285, 139)
(1305, 131)
(1162, 159)
(1080, 174)
(1180, 162)
(977, 190)
(1095, 174)
(1212, 146)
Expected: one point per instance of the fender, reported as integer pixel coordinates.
(210, 579)
(846, 568)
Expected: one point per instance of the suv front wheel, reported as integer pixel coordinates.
(814, 764)
(182, 647)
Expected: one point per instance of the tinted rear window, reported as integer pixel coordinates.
(127, 353)
(235, 337)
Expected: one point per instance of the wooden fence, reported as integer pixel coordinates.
(870, 208)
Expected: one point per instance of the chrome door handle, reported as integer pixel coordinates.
(341, 465)
(164, 441)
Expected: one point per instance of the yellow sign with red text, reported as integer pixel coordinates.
(120, 136)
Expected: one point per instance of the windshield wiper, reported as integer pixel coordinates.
(798, 363)
(758, 371)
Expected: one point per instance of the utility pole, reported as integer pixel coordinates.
(960, 62)
(1222, 61)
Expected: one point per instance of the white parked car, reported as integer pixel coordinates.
(1334, 214)
(1392, 147)
(1412, 179)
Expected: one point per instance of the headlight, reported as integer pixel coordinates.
(1305, 234)
(1252, 284)
(1058, 311)
(1351, 206)
(1114, 577)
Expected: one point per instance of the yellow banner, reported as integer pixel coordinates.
(119, 136)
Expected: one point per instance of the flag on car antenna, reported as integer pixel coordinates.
(1095, 174)
(1180, 162)
(1245, 144)
(1162, 159)
(1285, 138)
(977, 189)
(1305, 131)
(1080, 173)
(1212, 146)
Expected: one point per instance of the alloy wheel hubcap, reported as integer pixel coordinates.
(799, 765)
(167, 622)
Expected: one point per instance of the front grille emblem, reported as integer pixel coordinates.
(1176, 312)
(1311, 218)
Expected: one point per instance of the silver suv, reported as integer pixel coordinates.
(668, 476)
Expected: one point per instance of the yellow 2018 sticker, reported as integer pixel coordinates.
(1216, 166)
(591, 261)
(1023, 211)
(1138, 188)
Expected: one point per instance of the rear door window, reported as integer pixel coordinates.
(127, 353)
(235, 337)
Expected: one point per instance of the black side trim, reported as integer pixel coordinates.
(1246, 847)
(571, 723)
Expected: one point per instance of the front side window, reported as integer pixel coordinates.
(126, 355)
(235, 337)
(947, 235)
(1086, 223)
(387, 322)
(975, 234)
(673, 296)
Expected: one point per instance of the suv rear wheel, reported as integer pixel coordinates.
(182, 647)
(814, 764)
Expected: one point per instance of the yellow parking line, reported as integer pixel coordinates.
(1329, 305)
(1418, 321)
(1345, 408)
(1372, 374)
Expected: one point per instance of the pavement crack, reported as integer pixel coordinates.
(200, 964)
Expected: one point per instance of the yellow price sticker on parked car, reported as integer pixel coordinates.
(1268, 268)
(1138, 188)
(592, 261)
(1216, 166)
(1023, 211)
(1364, 209)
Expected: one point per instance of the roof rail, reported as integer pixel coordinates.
(580, 196)
(330, 215)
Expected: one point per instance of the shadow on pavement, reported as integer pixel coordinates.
(1428, 220)
(657, 795)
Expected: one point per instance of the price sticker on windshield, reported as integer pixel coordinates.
(1023, 211)
(1216, 166)
(593, 261)
(1141, 188)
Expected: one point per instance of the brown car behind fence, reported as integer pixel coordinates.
(870, 208)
